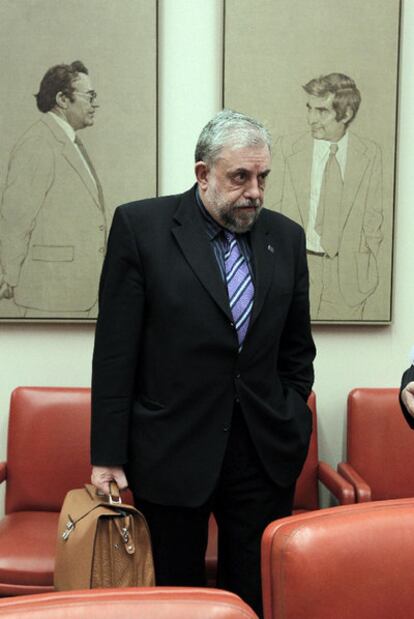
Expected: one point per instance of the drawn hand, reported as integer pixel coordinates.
(6, 291)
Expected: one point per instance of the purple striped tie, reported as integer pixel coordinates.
(239, 285)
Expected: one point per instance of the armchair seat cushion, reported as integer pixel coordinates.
(27, 548)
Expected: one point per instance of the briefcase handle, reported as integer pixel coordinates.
(114, 494)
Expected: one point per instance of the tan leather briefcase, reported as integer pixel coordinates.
(101, 542)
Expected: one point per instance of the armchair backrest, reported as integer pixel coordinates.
(307, 489)
(380, 444)
(348, 561)
(48, 449)
(48, 446)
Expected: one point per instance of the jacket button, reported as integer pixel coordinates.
(226, 428)
(237, 375)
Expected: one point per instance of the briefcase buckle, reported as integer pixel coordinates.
(70, 525)
(113, 500)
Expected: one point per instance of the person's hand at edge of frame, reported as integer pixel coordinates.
(407, 397)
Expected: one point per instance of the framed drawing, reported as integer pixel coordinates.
(323, 76)
(69, 156)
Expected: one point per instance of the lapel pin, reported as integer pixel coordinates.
(270, 248)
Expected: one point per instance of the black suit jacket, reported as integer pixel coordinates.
(166, 367)
(407, 377)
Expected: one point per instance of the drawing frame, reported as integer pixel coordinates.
(117, 40)
(287, 43)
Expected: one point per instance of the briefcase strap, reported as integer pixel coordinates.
(72, 522)
(126, 532)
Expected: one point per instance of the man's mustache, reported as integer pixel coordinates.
(249, 203)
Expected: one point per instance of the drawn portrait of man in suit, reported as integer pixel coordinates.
(52, 218)
(58, 196)
(330, 181)
(351, 263)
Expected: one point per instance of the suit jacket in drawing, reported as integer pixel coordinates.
(361, 211)
(52, 226)
(166, 367)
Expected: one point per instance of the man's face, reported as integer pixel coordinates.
(80, 112)
(322, 119)
(232, 189)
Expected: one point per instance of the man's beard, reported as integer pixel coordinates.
(232, 216)
(237, 220)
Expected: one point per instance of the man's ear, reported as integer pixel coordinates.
(202, 171)
(61, 100)
(348, 115)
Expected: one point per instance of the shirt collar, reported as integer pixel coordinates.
(212, 227)
(64, 125)
(321, 147)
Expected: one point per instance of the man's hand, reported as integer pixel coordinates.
(6, 291)
(407, 396)
(102, 475)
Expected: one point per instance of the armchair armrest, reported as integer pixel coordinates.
(342, 489)
(362, 489)
(3, 471)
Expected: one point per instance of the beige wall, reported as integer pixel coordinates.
(189, 94)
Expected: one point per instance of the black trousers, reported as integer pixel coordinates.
(244, 502)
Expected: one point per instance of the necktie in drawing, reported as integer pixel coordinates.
(85, 155)
(239, 285)
(327, 217)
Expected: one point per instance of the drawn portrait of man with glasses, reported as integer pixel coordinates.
(52, 215)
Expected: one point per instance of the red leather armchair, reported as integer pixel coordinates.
(314, 471)
(343, 562)
(380, 446)
(307, 490)
(47, 455)
(157, 603)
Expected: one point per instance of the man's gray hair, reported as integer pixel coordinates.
(230, 128)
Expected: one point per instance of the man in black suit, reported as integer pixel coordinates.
(203, 361)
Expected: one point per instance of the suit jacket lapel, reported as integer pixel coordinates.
(72, 157)
(191, 236)
(264, 253)
(356, 165)
(195, 245)
(300, 166)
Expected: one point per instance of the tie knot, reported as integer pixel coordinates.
(229, 236)
(333, 148)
